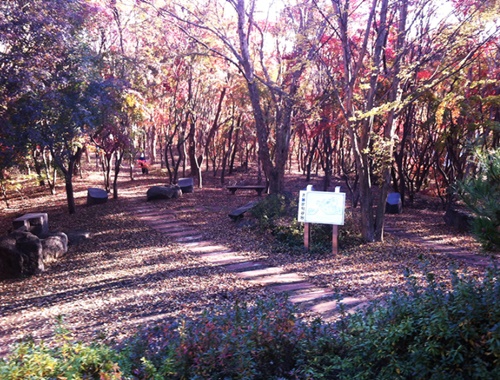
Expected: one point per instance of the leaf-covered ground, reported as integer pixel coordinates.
(128, 275)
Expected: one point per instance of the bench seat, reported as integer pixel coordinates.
(258, 188)
(238, 213)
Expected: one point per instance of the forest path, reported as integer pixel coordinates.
(306, 296)
(437, 242)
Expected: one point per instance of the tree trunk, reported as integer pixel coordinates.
(328, 154)
(366, 201)
(69, 192)
(283, 98)
(36, 154)
(390, 125)
(106, 170)
(215, 124)
(118, 161)
(235, 149)
(68, 177)
(227, 153)
(50, 170)
(153, 138)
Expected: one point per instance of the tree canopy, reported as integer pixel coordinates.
(389, 95)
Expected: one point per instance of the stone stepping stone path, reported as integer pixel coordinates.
(305, 295)
(437, 245)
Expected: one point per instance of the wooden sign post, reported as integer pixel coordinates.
(335, 239)
(322, 208)
(307, 235)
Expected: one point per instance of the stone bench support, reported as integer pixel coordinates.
(238, 213)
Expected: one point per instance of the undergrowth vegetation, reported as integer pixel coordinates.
(277, 214)
(481, 193)
(427, 331)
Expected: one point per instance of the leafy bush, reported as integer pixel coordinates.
(481, 194)
(274, 207)
(67, 360)
(277, 214)
(246, 342)
(428, 333)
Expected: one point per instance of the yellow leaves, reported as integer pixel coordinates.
(380, 110)
(451, 103)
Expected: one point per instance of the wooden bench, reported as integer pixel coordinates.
(238, 213)
(258, 188)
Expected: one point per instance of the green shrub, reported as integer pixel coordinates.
(431, 331)
(67, 360)
(481, 194)
(244, 342)
(277, 214)
(274, 208)
(428, 333)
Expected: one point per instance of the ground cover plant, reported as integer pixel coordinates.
(429, 332)
(277, 215)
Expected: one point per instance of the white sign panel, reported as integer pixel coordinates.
(321, 207)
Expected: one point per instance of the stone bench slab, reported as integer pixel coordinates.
(238, 213)
(36, 223)
(186, 185)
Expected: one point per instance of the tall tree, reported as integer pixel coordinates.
(240, 35)
(380, 79)
(51, 86)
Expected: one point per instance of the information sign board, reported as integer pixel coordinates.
(321, 207)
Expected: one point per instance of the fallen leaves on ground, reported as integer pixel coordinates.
(128, 274)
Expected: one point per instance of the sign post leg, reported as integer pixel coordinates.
(307, 235)
(335, 239)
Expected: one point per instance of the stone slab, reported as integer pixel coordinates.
(36, 223)
(96, 196)
(186, 185)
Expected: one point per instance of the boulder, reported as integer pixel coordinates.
(11, 260)
(393, 204)
(77, 236)
(54, 246)
(21, 253)
(164, 192)
(30, 247)
(96, 196)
